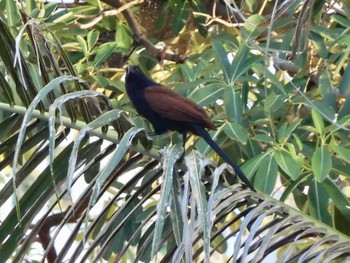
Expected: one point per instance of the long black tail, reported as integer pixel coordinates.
(206, 136)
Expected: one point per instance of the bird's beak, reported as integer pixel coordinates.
(127, 70)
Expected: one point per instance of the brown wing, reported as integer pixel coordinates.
(173, 106)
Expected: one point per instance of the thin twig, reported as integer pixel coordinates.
(218, 20)
(68, 5)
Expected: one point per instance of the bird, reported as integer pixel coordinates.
(167, 111)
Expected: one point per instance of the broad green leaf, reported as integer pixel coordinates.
(264, 138)
(340, 200)
(92, 38)
(318, 202)
(341, 167)
(123, 38)
(274, 79)
(343, 123)
(240, 58)
(233, 104)
(101, 80)
(343, 152)
(242, 62)
(227, 39)
(319, 44)
(321, 163)
(287, 163)
(188, 72)
(297, 141)
(104, 51)
(83, 45)
(287, 129)
(181, 9)
(324, 32)
(35, 13)
(297, 157)
(326, 89)
(286, 40)
(207, 95)
(251, 26)
(266, 175)
(282, 132)
(30, 6)
(318, 121)
(324, 109)
(61, 16)
(341, 223)
(49, 9)
(342, 20)
(252, 148)
(222, 60)
(186, 87)
(236, 132)
(252, 5)
(250, 166)
(274, 102)
(11, 13)
(292, 126)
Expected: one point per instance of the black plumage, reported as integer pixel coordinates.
(166, 110)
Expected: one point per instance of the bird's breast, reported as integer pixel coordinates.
(137, 98)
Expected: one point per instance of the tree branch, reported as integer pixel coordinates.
(139, 37)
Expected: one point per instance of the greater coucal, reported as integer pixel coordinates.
(166, 110)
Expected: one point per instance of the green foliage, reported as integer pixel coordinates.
(276, 84)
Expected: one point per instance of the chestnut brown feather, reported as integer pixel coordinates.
(173, 106)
